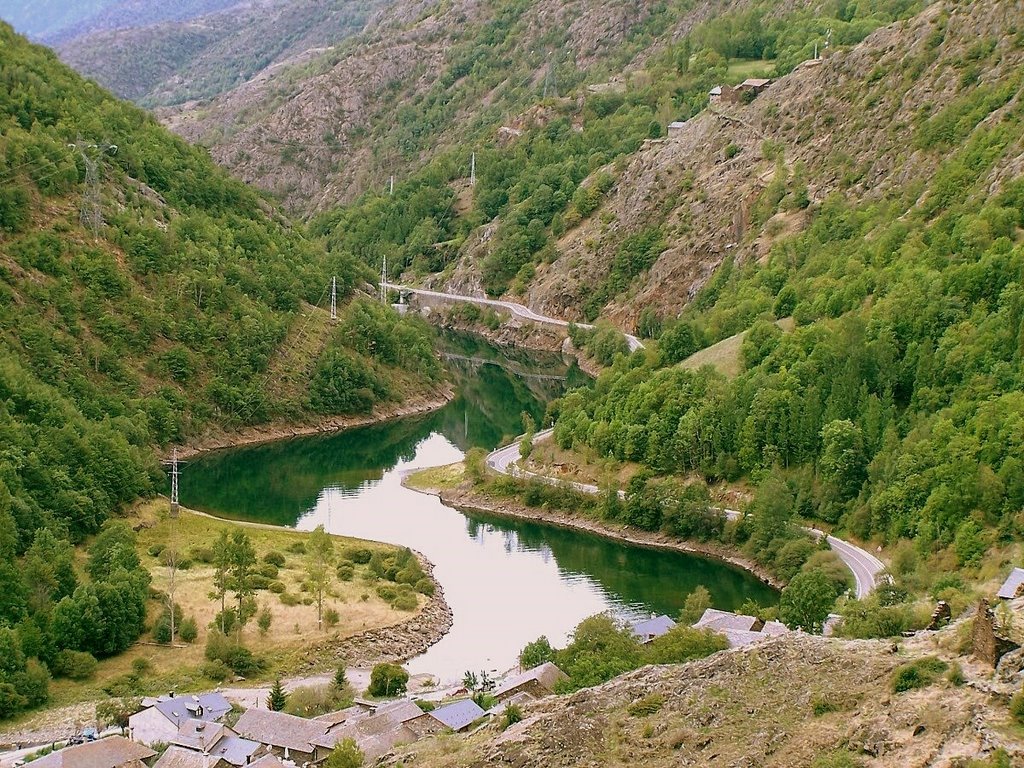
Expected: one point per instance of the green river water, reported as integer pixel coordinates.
(507, 581)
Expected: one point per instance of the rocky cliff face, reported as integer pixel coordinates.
(793, 702)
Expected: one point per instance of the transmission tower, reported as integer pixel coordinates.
(384, 280)
(174, 483)
(91, 211)
(172, 542)
(334, 299)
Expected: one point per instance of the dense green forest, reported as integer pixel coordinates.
(185, 305)
(534, 187)
(895, 408)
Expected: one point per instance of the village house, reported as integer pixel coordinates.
(739, 629)
(648, 629)
(392, 723)
(537, 682)
(111, 752)
(1013, 586)
(161, 718)
(223, 747)
(724, 94)
(293, 738)
(459, 715)
(753, 86)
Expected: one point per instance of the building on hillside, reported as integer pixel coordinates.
(393, 723)
(648, 629)
(739, 629)
(161, 718)
(1013, 586)
(724, 94)
(520, 699)
(224, 746)
(675, 129)
(537, 682)
(293, 738)
(459, 715)
(753, 86)
(111, 752)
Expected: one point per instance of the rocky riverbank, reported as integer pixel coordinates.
(268, 433)
(464, 497)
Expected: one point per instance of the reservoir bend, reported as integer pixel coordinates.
(506, 581)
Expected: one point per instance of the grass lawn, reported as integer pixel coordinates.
(725, 355)
(437, 478)
(740, 69)
(293, 629)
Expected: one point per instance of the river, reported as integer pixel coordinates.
(507, 582)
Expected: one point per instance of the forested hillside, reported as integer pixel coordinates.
(175, 309)
(159, 64)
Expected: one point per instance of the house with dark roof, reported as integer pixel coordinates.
(739, 629)
(537, 682)
(393, 723)
(458, 715)
(1013, 586)
(159, 722)
(293, 738)
(111, 752)
(648, 629)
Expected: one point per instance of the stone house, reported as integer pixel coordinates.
(111, 752)
(537, 682)
(160, 720)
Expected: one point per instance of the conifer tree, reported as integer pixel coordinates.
(278, 698)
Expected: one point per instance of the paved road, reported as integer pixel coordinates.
(520, 310)
(864, 566)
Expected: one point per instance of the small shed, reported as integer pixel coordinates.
(459, 715)
(754, 85)
(1013, 586)
(675, 129)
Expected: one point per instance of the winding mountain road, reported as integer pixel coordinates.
(519, 310)
(864, 566)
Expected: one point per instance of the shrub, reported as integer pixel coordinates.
(331, 617)
(919, 673)
(215, 670)
(204, 555)
(264, 620)
(269, 570)
(512, 715)
(76, 665)
(359, 555)
(314, 700)
(388, 680)
(346, 570)
(425, 706)
(426, 587)
(387, 592)
(275, 558)
(648, 705)
(1017, 707)
(287, 598)
(345, 755)
(259, 582)
(297, 547)
(405, 601)
(156, 549)
(189, 631)
(277, 587)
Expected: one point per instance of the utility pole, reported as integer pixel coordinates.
(334, 299)
(472, 170)
(91, 209)
(384, 280)
(173, 539)
(547, 79)
(391, 189)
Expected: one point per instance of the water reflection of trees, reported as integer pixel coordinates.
(659, 578)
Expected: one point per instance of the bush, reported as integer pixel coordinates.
(215, 670)
(426, 587)
(264, 620)
(388, 680)
(1017, 707)
(314, 700)
(297, 547)
(919, 673)
(275, 558)
(287, 598)
(141, 666)
(156, 549)
(268, 570)
(346, 570)
(277, 587)
(189, 631)
(405, 601)
(76, 665)
(387, 593)
(648, 705)
(259, 582)
(345, 755)
(203, 555)
(512, 715)
(235, 655)
(358, 555)
(331, 617)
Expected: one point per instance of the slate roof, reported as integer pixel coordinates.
(756, 82)
(206, 706)
(519, 699)
(198, 734)
(458, 715)
(346, 715)
(180, 757)
(547, 674)
(267, 761)
(1012, 586)
(389, 717)
(111, 752)
(280, 730)
(721, 621)
(656, 626)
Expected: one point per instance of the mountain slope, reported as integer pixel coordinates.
(201, 57)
